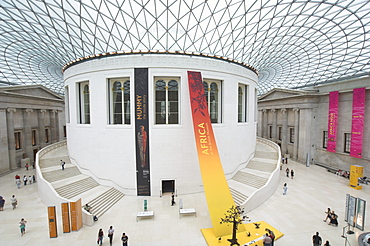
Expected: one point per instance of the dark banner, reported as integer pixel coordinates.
(142, 132)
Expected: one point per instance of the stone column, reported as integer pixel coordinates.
(4, 144)
(41, 129)
(27, 133)
(260, 123)
(296, 132)
(274, 125)
(11, 140)
(284, 141)
(52, 126)
(264, 123)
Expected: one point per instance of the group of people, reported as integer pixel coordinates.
(13, 200)
(124, 237)
(317, 241)
(289, 171)
(269, 238)
(26, 180)
(332, 217)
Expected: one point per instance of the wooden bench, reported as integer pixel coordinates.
(145, 214)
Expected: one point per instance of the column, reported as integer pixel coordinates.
(274, 125)
(296, 132)
(53, 138)
(27, 133)
(41, 129)
(11, 140)
(4, 148)
(284, 141)
(264, 123)
(260, 123)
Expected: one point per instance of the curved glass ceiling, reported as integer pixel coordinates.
(293, 44)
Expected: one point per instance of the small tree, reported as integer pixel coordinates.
(235, 216)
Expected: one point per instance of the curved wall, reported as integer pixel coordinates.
(108, 151)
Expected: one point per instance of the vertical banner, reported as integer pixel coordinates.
(358, 112)
(142, 132)
(332, 121)
(216, 189)
(65, 218)
(53, 232)
(360, 214)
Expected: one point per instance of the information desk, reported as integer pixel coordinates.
(188, 211)
(145, 214)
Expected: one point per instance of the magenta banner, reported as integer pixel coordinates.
(332, 121)
(358, 112)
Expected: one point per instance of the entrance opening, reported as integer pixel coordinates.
(168, 186)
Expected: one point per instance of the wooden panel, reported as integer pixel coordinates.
(52, 222)
(65, 218)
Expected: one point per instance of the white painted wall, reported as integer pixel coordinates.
(108, 151)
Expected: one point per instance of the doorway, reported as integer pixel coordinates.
(168, 186)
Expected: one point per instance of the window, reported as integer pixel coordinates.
(347, 142)
(270, 131)
(84, 103)
(17, 138)
(64, 131)
(255, 104)
(212, 91)
(34, 138)
(166, 100)
(66, 99)
(280, 133)
(47, 137)
(325, 139)
(291, 135)
(242, 103)
(119, 101)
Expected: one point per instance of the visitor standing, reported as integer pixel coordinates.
(25, 179)
(22, 226)
(267, 240)
(124, 239)
(110, 234)
(62, 163)
(316, 239)
(328, 215)
(291, 173)
(285, 188)
(18, 183)
(100, 236)
(2, 203)
(287, 172)
(14, 202)
(173, 199)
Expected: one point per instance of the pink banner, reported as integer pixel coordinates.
(332, 121)
(358, 112)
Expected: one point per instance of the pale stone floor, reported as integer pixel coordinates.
(298, 215)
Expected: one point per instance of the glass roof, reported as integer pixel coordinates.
(292, 43)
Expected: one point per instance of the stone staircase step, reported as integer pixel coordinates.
(238, 197)
(262, 166)
(53, 161)
(59, 174)
(102, 203)
(73, 189)
(250, 179)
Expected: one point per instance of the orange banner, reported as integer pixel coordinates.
(216, 189)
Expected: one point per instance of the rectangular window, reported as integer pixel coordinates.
(167, 100)
(270, 131)
(291, 135)
(64, 131)
(47, 137)
(325, 139)
(212, 91)
(17, 138)
(66, 99)
(255, 104)
(84, 103)
(347, 142)
(280, 133)
(119, 97)
(34, 138)
(243, 103)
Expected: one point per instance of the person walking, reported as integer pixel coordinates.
(26, 166)
(124, 239)
(30, 179)
(291, 173)
(100, 236)
(25, 180)
(2, 203)
(316, 239)
(14, 202)
(110, 234)
(267, 240)
(287, 172)
(62, 163)
(328, 215)
(173, 199)
(285, 188)
(22, 226)
(271, 234)
(327, 243)
(18, 183)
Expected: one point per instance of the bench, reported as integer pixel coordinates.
(145, 214)
(187, 211)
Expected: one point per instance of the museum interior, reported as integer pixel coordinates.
(184, 122)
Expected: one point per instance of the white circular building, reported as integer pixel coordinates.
(131, 121)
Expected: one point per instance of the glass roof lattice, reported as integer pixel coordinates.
(292, 43)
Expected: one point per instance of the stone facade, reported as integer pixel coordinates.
(297, 120)
(31, 117)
